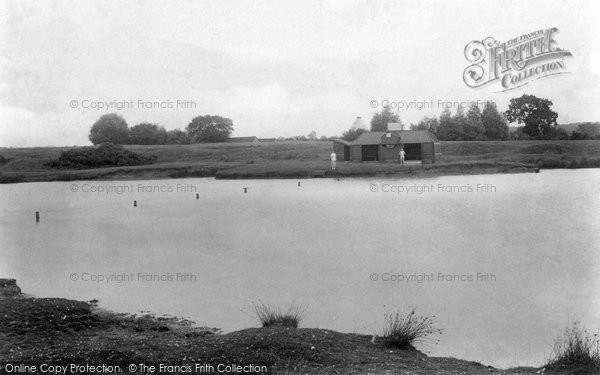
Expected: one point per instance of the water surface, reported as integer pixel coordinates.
(535, 236)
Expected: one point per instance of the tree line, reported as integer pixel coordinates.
(535, 114)
(113, 128)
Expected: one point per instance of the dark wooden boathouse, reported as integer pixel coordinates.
(419, 145)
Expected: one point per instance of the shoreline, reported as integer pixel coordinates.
(63, 331)
(300, 159)
(273, 171)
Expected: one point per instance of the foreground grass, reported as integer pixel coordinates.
(300, 159)
(35, 331)
(270, 316)
(403, 331)
(577, 352)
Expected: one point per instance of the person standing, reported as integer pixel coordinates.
(333, 157)
(402, 155)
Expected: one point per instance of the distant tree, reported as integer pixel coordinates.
(427, 123)
(473, 126)
(351, 134)
(535, 113)
(380, 121)
(312, 135)
(561, 134)
(323, 138)
(447, 130)
(495, 126)
(177, 137)
(592, 129)
(110, 128)
(209, 129)
(147, 134)
(577, 135)
(518, 134)
(460, 123)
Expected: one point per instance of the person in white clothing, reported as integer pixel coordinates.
(333, 160)
(402, 155)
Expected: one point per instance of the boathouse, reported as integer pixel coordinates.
(419, 145)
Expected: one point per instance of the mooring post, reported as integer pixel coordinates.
(298, 183)
(37, 216)
(134, 203)
(245, 190)
(197, 195)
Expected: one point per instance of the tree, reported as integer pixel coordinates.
(577, 135)
(380, 121)
(312, 135)
(109, 128)
(561, 134)
(147, 134)
(177, 137)
(592, 129)
(517, 134)
(459, 121)
(209, 129)
(535, 113)
(473, 126)
(427, 123)
(352, 134)
(447, 128)
(495, 126)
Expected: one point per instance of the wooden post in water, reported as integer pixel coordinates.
(134, 203)
(298, 183)
(197, 195)
(37, 216)
(245, 190)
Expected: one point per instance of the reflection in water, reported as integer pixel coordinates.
(505, 270)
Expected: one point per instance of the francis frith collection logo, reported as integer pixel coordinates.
(514, 63)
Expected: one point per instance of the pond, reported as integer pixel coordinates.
(505, 262)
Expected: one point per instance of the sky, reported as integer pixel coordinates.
(275, 68)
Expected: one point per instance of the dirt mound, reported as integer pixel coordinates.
(36, 315)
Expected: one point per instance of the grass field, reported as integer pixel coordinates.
(301, 159)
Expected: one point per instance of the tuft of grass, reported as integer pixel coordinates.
(270, 316)
(577, 352)
(403, 331)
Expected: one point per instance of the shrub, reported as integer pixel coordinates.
(576, 351)
(105, 155)
(402, 332)
(269, 316)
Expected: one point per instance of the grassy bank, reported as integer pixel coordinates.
(300, 159)
(60, 331)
